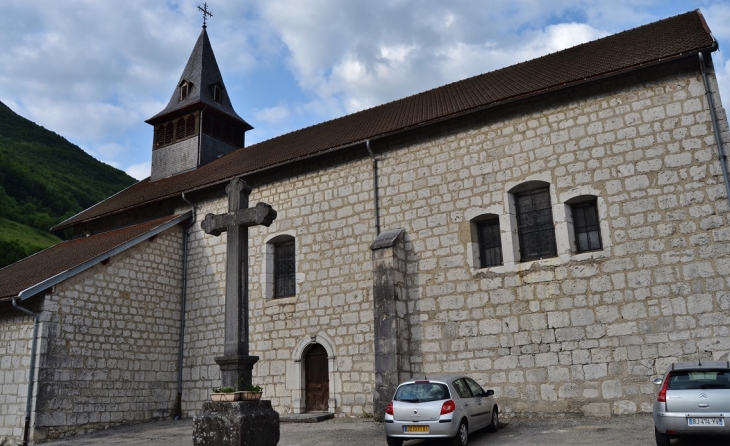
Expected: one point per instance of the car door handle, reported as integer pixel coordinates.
(466, 404)
(704, 405)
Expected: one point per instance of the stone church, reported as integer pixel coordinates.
(558, 229)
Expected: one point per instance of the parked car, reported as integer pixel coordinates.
(694, 399)
(440, 407)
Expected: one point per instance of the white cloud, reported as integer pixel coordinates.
(139, 171)
(273, 114)
(96, 74)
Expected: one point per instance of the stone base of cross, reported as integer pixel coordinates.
(236, 364)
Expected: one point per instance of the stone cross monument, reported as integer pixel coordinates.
(236, 364)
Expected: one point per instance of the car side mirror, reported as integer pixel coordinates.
(490, 392)
(657, 381)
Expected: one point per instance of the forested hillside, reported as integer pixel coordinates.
(45, 179)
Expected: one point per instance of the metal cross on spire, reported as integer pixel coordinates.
(205, 12)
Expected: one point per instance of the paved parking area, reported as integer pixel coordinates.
(630, 430)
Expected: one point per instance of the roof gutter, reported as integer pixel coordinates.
(716, 128)
(534, 93)
(31, 370)
(60, 277)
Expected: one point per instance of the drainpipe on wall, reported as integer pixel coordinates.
(375, 187)
(183, 298)
(29, 401)
(713, 115)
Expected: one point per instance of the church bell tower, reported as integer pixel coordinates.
(199, 123)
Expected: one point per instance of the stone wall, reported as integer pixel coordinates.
(330, 213)
(16, 333)
(577, 332)
(110, 340)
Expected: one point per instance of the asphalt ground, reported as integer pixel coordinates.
(628, 430)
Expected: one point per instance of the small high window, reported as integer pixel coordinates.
(535, 226)
(217, 93)
(184, 90)
(586, 227)
(284, 269)
(490, 241)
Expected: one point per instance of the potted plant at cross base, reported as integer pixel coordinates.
(227, 394)
(252, 393)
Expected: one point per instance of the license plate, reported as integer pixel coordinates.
(705, 422)
(415, 429)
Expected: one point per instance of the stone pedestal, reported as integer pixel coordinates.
(249, 423)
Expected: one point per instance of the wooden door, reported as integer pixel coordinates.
(317, 379)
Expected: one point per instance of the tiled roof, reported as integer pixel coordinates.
(670, 38)
(67, 256)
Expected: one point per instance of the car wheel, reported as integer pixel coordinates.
(462, 435)
(392, 441)
(494, 425)
(661, 439)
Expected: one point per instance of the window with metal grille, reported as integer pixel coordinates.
(586, 226)
(284, 269)
(535, 225)
(490, 242)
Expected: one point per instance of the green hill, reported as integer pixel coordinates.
(45, 179)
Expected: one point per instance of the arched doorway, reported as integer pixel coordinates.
(316, 377)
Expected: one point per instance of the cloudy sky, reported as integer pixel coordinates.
(94, 70)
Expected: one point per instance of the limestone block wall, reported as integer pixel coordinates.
(577, 332)
(110, 342)
(205, 319)
(329, 212)
(16, 333)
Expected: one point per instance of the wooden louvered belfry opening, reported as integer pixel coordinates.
(175, 130)
(223, 129)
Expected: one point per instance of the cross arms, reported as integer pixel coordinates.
(261, 214)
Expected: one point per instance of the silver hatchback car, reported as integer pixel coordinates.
(694, 399)
(440, 407)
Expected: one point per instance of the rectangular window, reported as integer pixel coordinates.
(535, 225)
(490, 242)
(585, 225)
(284, 270)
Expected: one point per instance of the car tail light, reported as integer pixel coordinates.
(389, 408)
(448, 407)
(662, 395)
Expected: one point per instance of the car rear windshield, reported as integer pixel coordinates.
(422, 392)
(699, 379)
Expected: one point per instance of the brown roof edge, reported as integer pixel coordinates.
(38, 281)
(527, 95)
(627, 66)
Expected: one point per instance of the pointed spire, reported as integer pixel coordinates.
(204, 83)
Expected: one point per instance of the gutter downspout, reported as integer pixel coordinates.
(375, 187)
(29, 402)
(183, 299)
(720, 149)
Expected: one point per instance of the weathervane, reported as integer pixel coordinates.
(204, 9)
